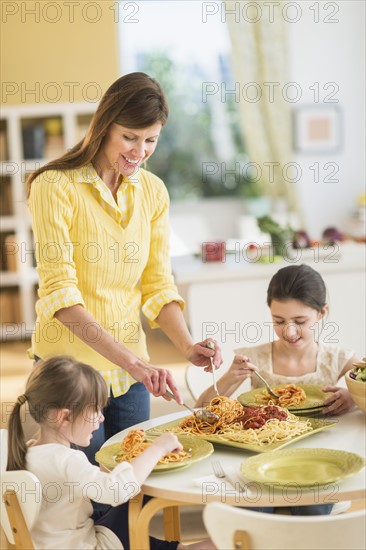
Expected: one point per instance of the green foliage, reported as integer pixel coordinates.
(267, 225)
(280, 237)
(186, 142)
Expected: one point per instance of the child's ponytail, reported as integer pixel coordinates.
(58, 383)
(17, 449)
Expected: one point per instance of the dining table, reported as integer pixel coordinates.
(169, 490)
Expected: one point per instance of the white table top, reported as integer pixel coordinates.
(349, 435)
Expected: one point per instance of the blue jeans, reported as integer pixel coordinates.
(120, 413)
(309, 510)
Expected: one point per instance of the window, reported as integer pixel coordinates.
(201, 144)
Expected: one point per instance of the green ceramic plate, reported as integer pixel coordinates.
(315, 397)
(302, 467)
(197, 448)
(316, 424)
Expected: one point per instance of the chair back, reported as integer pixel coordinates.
(236, 528)
(194, 385)
(21, 499)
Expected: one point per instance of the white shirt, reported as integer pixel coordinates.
(68, 483)
(330, 362)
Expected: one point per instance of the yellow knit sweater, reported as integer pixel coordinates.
(87, 254)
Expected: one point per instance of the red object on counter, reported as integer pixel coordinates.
(214, 252)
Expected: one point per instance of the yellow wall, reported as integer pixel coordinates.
(57, 51)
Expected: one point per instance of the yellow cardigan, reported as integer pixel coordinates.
(86, 256)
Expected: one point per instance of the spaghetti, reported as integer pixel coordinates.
(250, 425)
(135, 443)
(289, 396)
(226, 409)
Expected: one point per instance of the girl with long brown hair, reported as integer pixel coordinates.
(66, 398)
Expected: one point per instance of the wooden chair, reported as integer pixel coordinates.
(238, 529)
(21, 501)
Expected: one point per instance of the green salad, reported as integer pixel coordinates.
(359, 373)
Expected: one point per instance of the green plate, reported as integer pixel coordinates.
(316, 424)
(197, 448)
(315, 397)
(302, 467)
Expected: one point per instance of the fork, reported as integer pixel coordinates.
(218, 469)
(211, 345)
(219, 472)
(267, 385)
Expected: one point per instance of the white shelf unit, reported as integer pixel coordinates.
(22, 279)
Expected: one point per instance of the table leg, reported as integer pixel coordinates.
(140, 516)
(172, 523)
(136, 538)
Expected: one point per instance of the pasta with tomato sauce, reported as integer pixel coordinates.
(248, 425)
(289, 396)
(135, 443)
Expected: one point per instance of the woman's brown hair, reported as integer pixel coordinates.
(134, 101)
(58, 383)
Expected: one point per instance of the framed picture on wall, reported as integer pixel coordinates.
(317, 129)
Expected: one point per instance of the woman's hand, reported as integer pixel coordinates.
(200, 355)
(339, 402)
(155, 379)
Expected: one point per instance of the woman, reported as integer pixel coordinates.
(100, 223)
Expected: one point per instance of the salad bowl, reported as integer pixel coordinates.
(356, 384)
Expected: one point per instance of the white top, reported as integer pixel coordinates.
(68, 483)
(330, 362)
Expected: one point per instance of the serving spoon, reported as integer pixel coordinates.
(267, 385)
(201, 414)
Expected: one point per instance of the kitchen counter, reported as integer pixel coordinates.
(339, 257)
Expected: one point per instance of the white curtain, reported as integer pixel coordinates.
(259, 56)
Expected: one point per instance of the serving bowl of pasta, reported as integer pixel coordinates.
(259, 429)
(356, 384)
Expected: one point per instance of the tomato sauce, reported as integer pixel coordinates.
(256, 417)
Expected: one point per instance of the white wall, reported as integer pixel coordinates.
(195, 221)
(323, 53)
(332, 52)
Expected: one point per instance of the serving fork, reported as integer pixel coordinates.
(211, 345)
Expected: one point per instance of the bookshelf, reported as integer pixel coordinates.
(30, 136)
